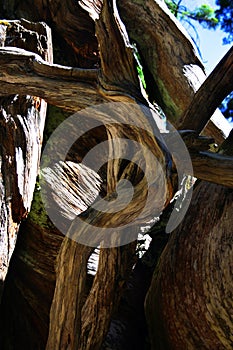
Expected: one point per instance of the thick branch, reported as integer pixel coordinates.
(118, 70)
(203, 289)
(171, 66)
(24, 72)
(213, 167)
(114, 267)
(209, 166)
(211, 93)
(124, 221)
(155, 27)
(68, 308)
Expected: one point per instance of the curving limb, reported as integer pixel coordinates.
(210, 95)
(24, 72)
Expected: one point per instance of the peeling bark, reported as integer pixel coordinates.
(81, 312)
(22, 123)
(29, 284)
(164, 46)
(73, 30)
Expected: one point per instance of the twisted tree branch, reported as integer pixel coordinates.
(24, 72)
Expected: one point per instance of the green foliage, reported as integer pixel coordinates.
(206, 15)
(227, 107)
(203, 14)
(225, 17)
(141, 75)
(173, 7)
(139, 65)
(209, 18)
(38, 213)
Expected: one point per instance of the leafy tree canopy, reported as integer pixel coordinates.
(206, 15)
(225, 17)
(210, 18)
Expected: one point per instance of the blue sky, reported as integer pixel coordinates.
(211, 47)
(210, 41)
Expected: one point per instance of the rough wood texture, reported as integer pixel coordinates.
(163, 45)
(73, 30)
(22, 122)
(115, 265)
(128, 328)
(212, 92)
(118, 74)
(209, 166)
(79, 308)
(166, 51)
(213, 167)
(78, 330)
(68, 298)
(87, 326)
(31, 73)
(155, 26)
(29, 285)
(57, 84)
(189, 304)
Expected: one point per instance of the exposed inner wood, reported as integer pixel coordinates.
(76, 332)
(81, 311)
(22, 121)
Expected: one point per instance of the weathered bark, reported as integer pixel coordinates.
(29, 284)
(86, 327)
(31, 276)
(155, 26)
(213, 167)
(189, 304)
(73, 30)
(57, 84)
(115, 265)
(69, 296)
(166, 51)
(210, 95)
(22, 123)
(78, 310)
(128, 329)
(30, 73)
(206, 165)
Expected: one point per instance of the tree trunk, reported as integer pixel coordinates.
(189, 303)
(167, 51)
(48, 284)
(87, 326)
(22, 124)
